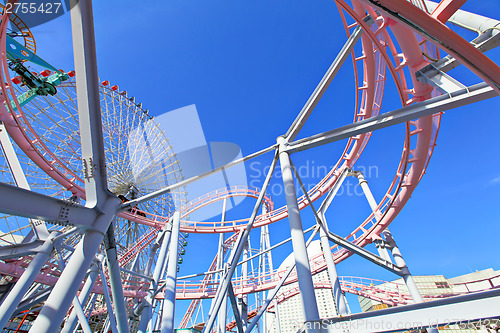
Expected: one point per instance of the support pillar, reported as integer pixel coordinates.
(398, 258)
(72, 322)
(381, 247)
(17, 292)
(167, 318)
(277, 316)
(306, 286)
(221, 319)
(111, 321)
(243, 298)
(116, 281)
(341, 307)
(145, 309)
(39, 227)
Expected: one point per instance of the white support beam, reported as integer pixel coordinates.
(89, 105)
(21, 250)
(441, 103)
(443, 82)
(19, 177)
(364, 253)
(459, 310)
(152, 195)
(21, 202)
(234, 305)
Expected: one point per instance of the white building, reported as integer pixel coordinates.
(290, 305)
(437, 285)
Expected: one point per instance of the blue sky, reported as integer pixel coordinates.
(249, 67)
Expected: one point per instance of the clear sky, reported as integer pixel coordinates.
(249, 67)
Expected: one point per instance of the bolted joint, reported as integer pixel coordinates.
(282, 144)
(106, 214)
(405, 271)
(359, 175)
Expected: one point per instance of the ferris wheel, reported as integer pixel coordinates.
(143, 188)
(46, 154)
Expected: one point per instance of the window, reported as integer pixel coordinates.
(441, 285)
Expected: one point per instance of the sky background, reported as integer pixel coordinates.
(249, 67)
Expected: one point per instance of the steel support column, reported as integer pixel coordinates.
(272, 293)
(412, 288)
(115, 280)
(19, 177)
(340, 300)
(107, 298)
(17, 292)
(93, 156)
(221, 291)
(332, 273)
(56, 306)
(306, 286)
(379, 243)
(168, 309)
(221, 319)
(236, 310)
(243, 298)
(145, 310)
(71, 322)
(398, 258)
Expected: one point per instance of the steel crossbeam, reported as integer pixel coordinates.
(441, 103)
(459, 310)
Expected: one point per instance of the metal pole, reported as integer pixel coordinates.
(221, 320)
(221, 291)
(116, 281)
(272, 294)
(471, 94)
(398, 258)
(277, 315)
(381, 247)
(145, 311)
(71, 322)
(39, 226)
(236, 311)
(379, 243)
(93, 156)
(89, 105)
(341, 307)
(243, 298)
(323, 85)
(77, 306)
(306, 286)
(107, 298)
(15, 296)
(167, 319)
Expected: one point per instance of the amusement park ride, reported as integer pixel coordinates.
(95, 206)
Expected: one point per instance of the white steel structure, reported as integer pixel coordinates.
(99, 242)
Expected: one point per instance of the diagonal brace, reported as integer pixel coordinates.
(441, 103)
(364, 253)
(234, 305)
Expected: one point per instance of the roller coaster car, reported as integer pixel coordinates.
(42, 87)
(124, 199)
